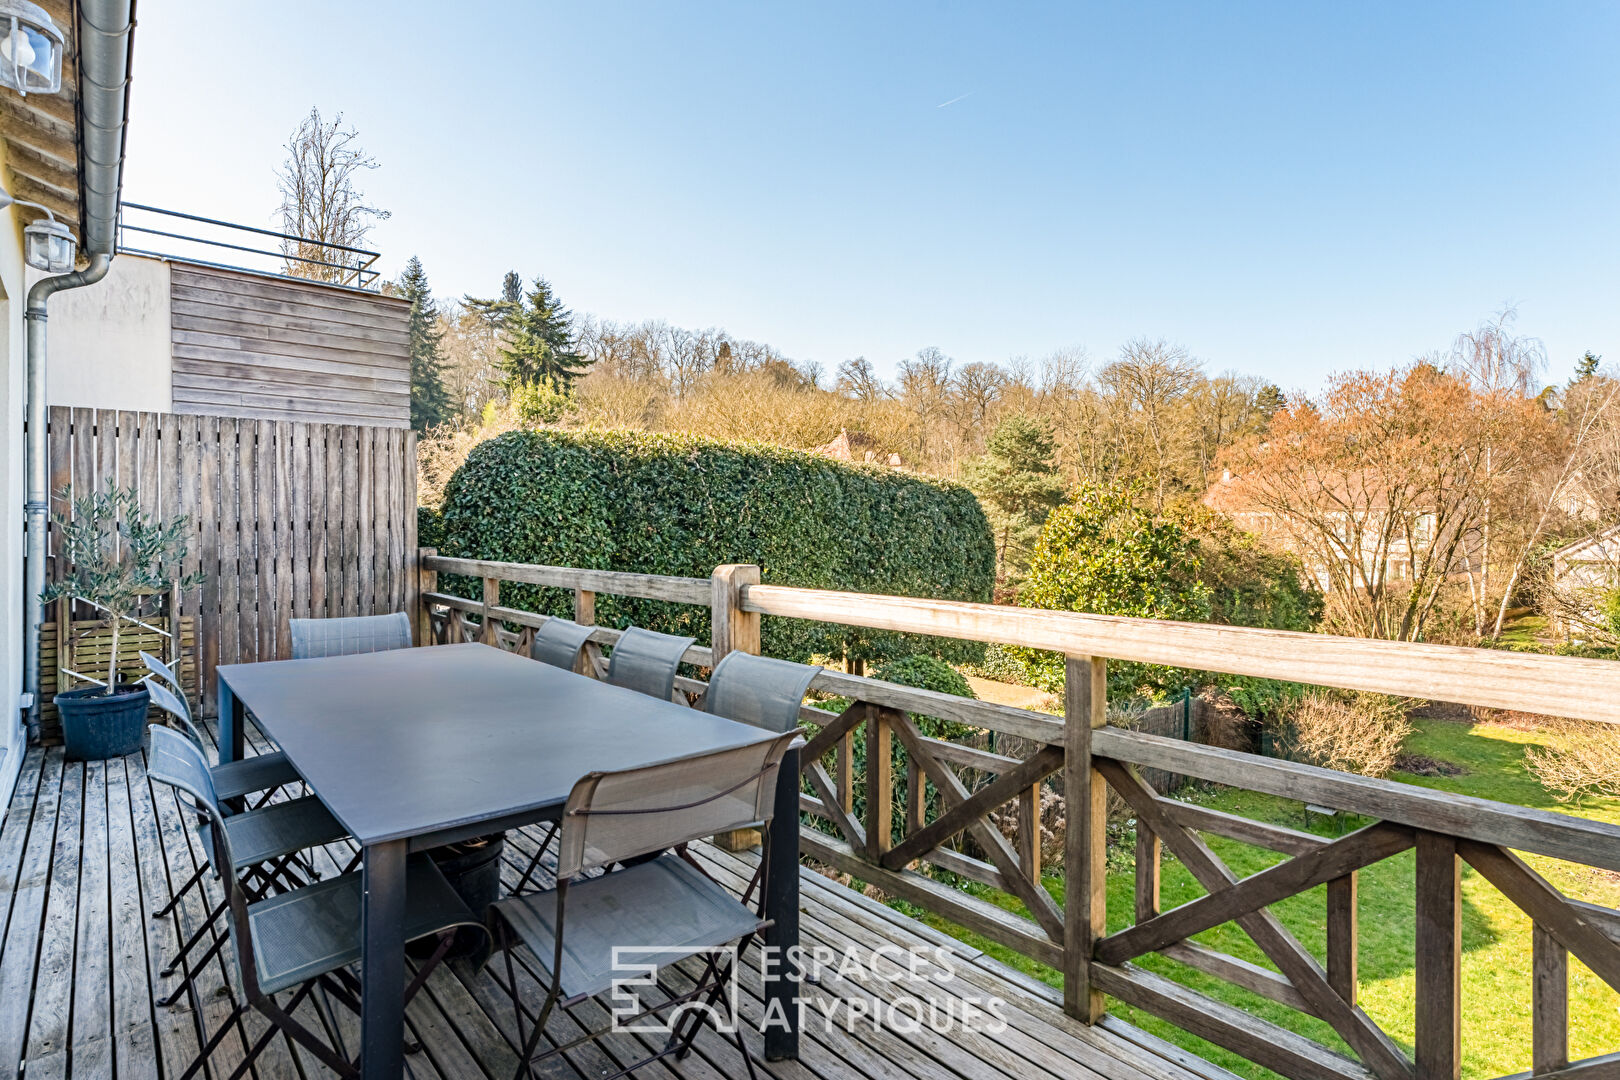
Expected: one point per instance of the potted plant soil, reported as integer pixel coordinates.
(117, 559)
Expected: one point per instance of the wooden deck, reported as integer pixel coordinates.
(88, 851)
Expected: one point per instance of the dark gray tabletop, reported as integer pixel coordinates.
(409, 742)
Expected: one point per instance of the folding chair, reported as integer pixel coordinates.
(348, 636)
(559, 642)
(669, 909)
(758, 690)
(646, 661)
(265, 773)
(305, 939)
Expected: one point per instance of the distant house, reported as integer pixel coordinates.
(1582, 572)
(858, 447)
(1230, 497)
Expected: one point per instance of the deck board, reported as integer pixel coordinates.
(89, 852)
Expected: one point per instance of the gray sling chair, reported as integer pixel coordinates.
(646, 661)
(348, 636)
(559, 642)
(308, 937)
(267, 840)
(265, 773)
(669, 905)
(758, 690)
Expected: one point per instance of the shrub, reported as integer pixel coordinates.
(681, 505)
(1345, 730)
(1105, 553)
(930, 673)
(1582, 759)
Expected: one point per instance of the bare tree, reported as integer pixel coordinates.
(319, 200)
(1147, 379)
(859, 380)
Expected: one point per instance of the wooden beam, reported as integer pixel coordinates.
(1592, 843)
(1549, 1003)
(731, 629)
(642, 586)
(1257, 891)
(1006, 787)
(1551, 685)
(1085, 843)
(1438, 993)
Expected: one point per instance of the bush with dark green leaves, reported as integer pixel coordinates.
(681, 505)
(929, 673)
(1107, 553)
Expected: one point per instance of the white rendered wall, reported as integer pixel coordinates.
(109, 343)
(12, 366)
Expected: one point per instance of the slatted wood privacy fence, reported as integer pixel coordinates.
(289, 520)
(1091, 758)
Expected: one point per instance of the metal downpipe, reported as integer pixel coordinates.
(106, 38)
(37, 508)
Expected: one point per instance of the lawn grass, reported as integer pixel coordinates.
(1496, 935)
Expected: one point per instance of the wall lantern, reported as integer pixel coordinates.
(48, 245)
(30, 49)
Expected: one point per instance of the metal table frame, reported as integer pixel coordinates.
(383, 906)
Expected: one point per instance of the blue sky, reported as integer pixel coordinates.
(1284, 189)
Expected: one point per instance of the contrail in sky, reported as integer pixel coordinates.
(954, 100)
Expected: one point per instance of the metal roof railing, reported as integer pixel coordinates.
(149, 231)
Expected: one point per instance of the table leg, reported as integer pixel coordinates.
(382, 964)
(232, 722)
(782, 906)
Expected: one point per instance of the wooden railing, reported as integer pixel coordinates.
(963, 829)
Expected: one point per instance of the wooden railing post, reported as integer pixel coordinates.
(731, 628)
(1085, 843)
(1439, 958)
(1549, 1003)
(584, 607)
(492, 600)
(1147, 872)
(1343, 936)
(427, 582)
(879, 782)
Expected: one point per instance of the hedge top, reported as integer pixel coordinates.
(682, 505)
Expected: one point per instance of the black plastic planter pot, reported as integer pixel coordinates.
(473, 868)
(97, 725)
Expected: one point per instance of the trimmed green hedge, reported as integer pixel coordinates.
(680, 505)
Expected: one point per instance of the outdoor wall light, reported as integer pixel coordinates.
(47, 243)
(30, 50)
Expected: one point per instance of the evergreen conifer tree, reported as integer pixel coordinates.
(539, 344)
(1018, 483)
(430, 401)
(1587, 366)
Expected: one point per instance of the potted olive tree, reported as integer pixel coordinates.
(117, 559)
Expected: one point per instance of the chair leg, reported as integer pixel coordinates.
(191, 942)
(328, 1057)
(264, 1040)
(175, 898)
(534, 863)
(526, 1055)
(213, 1042)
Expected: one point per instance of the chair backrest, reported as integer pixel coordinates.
(177, 761)
(174, 760)
(758, 690)
(163, 685)
(646, 661)
(345, 637)
(558, 642)
(613, 816)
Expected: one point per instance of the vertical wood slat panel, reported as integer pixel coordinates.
(288, 520)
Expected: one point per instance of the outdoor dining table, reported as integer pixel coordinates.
(414, 748)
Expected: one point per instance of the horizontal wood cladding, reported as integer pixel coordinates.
(259, 347)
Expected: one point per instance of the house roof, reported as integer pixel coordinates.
(1602, 537)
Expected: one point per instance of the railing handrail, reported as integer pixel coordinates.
(1565, 686)
(358, 274)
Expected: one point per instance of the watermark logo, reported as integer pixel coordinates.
(637, 1003)
(890, 988)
